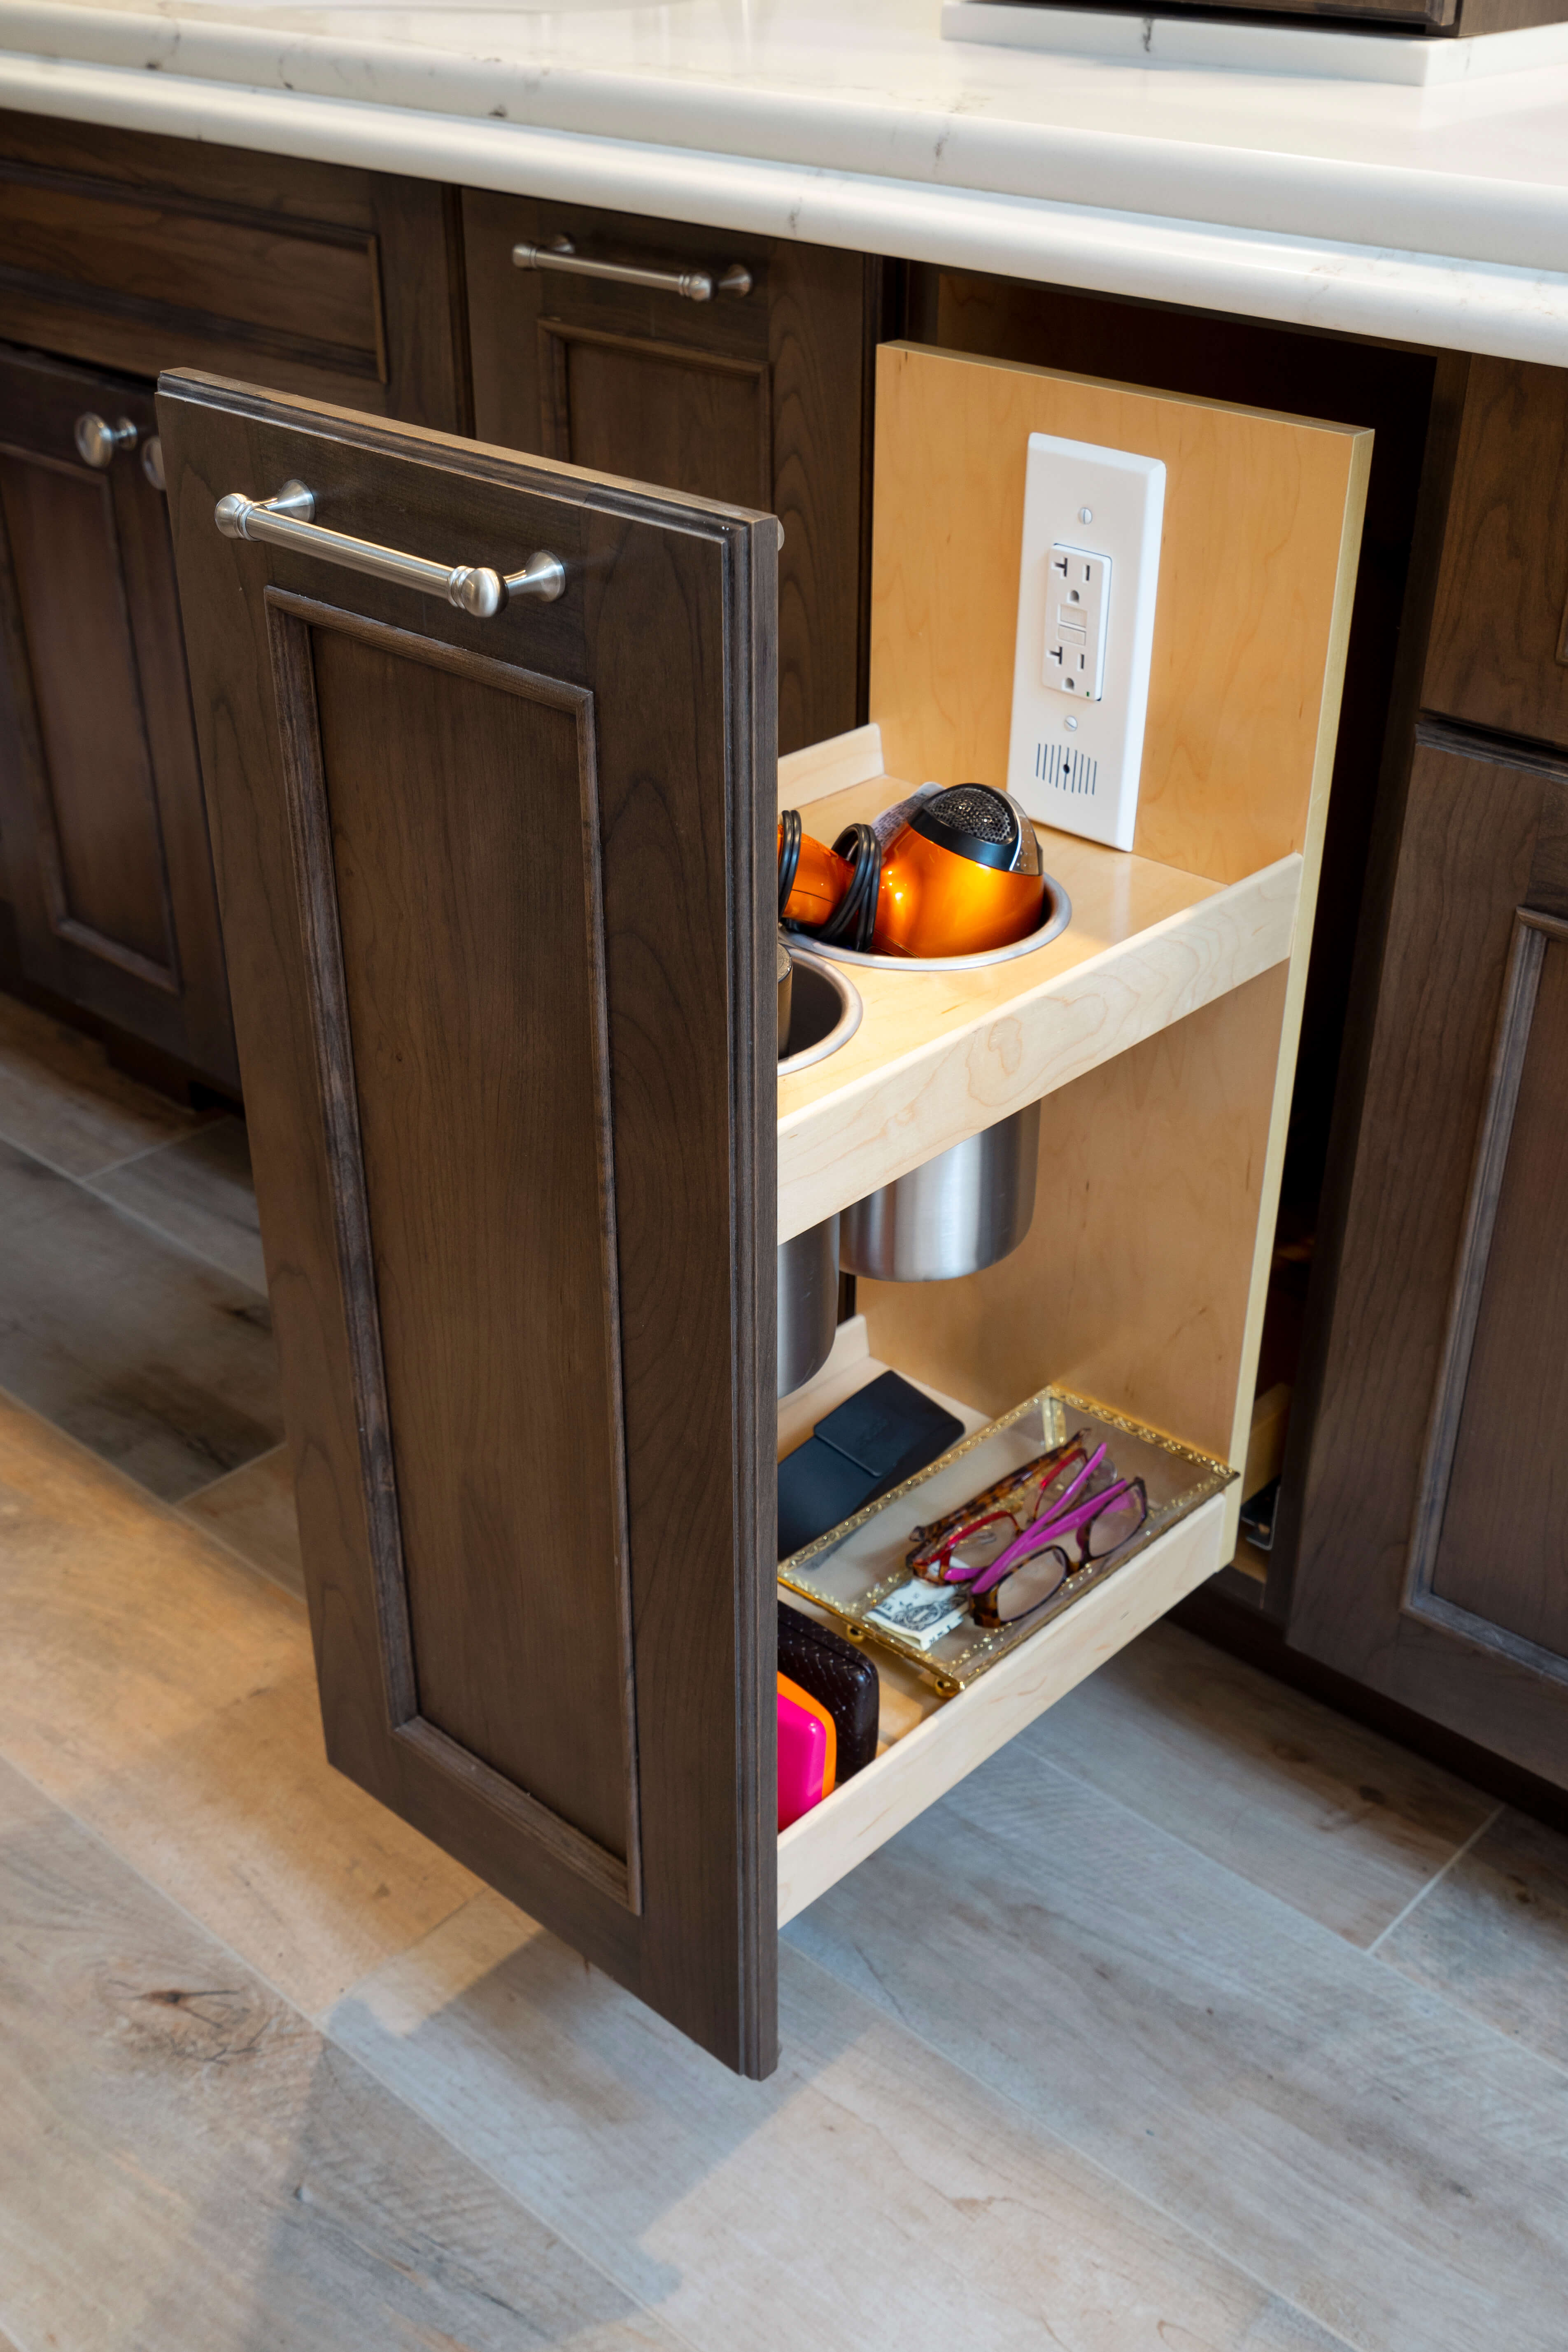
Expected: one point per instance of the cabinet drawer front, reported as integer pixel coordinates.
(1499, 655)
(187, 274)
(126, 250)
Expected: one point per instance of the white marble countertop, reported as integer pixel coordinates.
(1434, 213)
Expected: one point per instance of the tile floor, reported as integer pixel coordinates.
(1198, 2019)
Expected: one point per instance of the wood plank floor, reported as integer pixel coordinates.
(1198, 2020)
(152, 1357)
(188, 2162)
(197, 1191)
(60, 1099)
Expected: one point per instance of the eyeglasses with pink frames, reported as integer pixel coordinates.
(982, 1527)
(1079, 1520)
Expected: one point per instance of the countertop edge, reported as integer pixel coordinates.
(1396, 295)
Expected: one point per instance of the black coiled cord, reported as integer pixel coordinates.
(789, 854)
(854, 918)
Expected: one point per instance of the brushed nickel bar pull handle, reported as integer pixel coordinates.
(694, 284)
(286, 521)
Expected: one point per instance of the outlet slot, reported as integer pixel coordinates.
(1078, 598)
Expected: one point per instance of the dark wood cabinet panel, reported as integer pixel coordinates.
(1502, 1550)
(97, 818)
(100, 797)
(424, 886)
(500, 919)
(137, 253)
(1498, 653)
(694, 421)
(1426, 1535)
(763, 401)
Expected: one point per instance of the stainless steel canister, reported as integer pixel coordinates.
(965, 1209)
(808, 1303)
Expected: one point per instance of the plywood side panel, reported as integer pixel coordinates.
(1135, 1282)
(1251, 580)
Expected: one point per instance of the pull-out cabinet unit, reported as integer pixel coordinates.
(498, 901)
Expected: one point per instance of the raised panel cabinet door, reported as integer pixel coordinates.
(761, 397)
(499, 899)
(1431, 1559)
(100, 796)
(1499, 652)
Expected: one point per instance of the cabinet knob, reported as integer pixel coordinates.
(97, 442)
(152, 462)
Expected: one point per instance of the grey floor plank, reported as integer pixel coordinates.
(190, 2168)
(253, 1511)
(1493, 1934)
(160, 1365)
(867, 2196)
(1389, 2163)
(198, 1191)
(165, 1695)
(1335, 1820)
(60, 1099)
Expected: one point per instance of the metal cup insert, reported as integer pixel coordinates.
(808, 1303)
(963, 1210)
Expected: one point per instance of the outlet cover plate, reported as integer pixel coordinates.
(1073, 762)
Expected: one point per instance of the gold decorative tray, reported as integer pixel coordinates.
(848, 1570)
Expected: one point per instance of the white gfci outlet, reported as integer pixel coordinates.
(1087, 589)
(1078, 587)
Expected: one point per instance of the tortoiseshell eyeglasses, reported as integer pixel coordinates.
(1015, 1545)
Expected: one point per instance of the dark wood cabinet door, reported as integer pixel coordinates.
(1498, 653)
(1433, 1557)
(499, 898)
(101, 815)
(763, 399)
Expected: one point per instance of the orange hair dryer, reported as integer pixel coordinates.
(816, 878)
(960, 876)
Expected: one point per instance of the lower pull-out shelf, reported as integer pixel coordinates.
(938, 1739)
(962, 1732)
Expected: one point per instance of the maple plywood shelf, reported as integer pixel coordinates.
(939, 1055)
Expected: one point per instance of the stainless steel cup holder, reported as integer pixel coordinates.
(808, 1304)
(825, 1011)
(963, 1210)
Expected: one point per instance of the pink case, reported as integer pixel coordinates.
(802, 1760)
